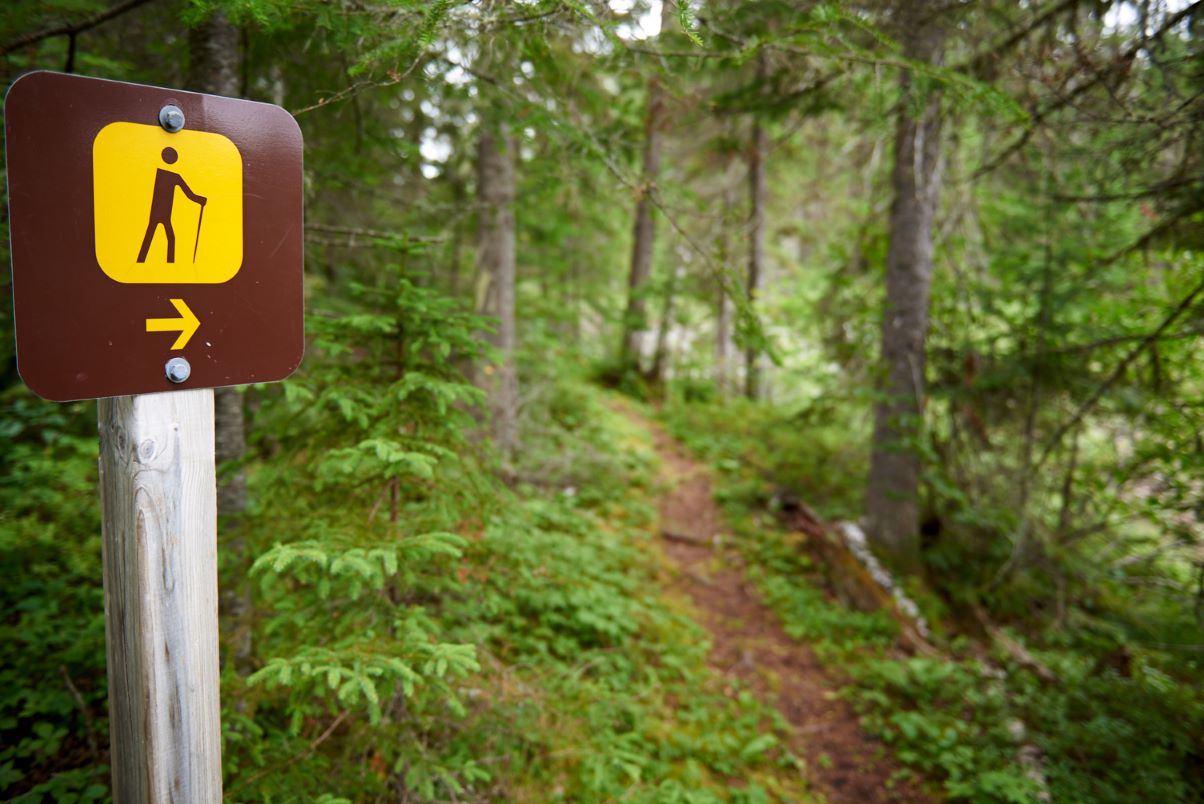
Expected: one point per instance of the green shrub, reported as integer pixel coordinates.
(53, 690)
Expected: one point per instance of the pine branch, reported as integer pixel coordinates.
(1118, 372)
(1041, 115)
(72, 30)
(376, 234)
(313, 746)
(982, 63)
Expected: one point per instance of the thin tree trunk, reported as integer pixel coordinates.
(723, 304)
(660, 360)
(723, 336)
(276, 76)
(756, 241)
(635, 322)
(573, 281)
(460, 199)
(495, 186)
(892, 493)
(215, 57)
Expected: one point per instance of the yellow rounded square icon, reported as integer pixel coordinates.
(168, 206)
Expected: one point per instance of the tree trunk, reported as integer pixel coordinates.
(460, 200)
(891, 506)
(723, 304)
(214, 56)
(756, 241)
(660, 360)
(215, 67)
(723, 336)
(276, 75)
(495, 259)
(635, 322)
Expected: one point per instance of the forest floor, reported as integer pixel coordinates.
(844, 764)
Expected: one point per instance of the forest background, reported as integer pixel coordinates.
(932, 267)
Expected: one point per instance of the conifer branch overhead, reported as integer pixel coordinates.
(72, 29)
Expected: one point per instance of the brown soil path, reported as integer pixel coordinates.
(843, 763)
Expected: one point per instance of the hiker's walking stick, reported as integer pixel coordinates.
(197, 244)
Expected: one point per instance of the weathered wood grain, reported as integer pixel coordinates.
(159, 502)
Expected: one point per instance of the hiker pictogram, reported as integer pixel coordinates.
(168, 205)
(162, 202)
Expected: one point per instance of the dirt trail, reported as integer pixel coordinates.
(843, 763)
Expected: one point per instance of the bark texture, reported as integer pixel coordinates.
(214, 57)
(495, 260)
(891, 507)
(635, 319)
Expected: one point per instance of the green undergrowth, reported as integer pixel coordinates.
(607, 695)
(769, 456)
(490, 640)
(419, 629)
(1100, 733)
(52, 639)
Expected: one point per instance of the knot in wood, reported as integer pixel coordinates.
(147, 450)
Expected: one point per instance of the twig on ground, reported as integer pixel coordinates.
(1015, 651)
(685, 538)
(295, 758)
(85, 711)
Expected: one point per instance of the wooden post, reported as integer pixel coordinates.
(159, 501)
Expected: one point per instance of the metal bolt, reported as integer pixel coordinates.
(178, 370)
(171, 118)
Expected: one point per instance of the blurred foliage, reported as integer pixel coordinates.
(769, 455)
(53, 703)
(1121, 723)
(425, 625)
(520, 651)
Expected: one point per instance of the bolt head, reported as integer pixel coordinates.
(171, 118)
(178, 370)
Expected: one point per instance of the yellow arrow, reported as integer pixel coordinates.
(186, 324)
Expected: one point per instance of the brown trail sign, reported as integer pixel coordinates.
(117, 295)
(108, 204)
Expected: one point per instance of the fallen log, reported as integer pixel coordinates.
(1014, 650)
(685, 538)
(855, 576)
